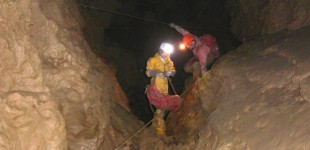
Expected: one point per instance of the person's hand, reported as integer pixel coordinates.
(172, 25)
(154, 72)
(169, 73)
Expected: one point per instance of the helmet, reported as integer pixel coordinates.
(166, 47)
(187, 39)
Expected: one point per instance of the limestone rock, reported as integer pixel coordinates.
(251, 18)
(261, 95)
(54, 92)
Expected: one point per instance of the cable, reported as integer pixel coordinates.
(150, 20)
(140, 129)
(172, 86)
(122, 14)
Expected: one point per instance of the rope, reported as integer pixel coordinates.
(134, 134)
(151, 107)
(150, 20)
(151, 119)
(187, 89)
(122, 14)
(140, 129)
(172, 86)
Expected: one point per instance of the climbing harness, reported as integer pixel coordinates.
(149, 20)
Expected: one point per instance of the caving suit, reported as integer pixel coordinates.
(196, 65)
(160, 66)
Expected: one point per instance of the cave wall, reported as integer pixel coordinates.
(259, 97)
(251, 18)
(55, 93)
(255, 97)
(96, 22)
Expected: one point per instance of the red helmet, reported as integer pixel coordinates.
(187, 39)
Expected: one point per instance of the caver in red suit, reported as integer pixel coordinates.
(204, 48)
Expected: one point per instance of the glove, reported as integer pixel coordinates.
(152, 73)
(172, 25)
(169, 73)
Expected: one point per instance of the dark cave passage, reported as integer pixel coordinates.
(127, 42)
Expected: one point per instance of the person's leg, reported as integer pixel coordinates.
(196, 70)
(159, 122)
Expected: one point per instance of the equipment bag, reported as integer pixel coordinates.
(167, 102)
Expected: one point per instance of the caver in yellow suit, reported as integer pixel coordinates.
(160, 67)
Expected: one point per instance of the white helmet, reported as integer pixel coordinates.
(166, 47)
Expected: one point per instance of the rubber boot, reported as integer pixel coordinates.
(159, 123)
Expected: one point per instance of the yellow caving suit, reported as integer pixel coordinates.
(160, 65)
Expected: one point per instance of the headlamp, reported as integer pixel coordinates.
(167, 48)
(182, 46)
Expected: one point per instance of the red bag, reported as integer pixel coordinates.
(210, 41)
(167, 102)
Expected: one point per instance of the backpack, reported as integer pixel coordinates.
(210, 41)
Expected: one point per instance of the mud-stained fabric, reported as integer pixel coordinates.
(160, 66)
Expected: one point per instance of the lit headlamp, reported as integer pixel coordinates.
(182, 46)
(167, 48)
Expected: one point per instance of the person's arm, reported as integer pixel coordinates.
(150, 70)
(179, 29)
(171, 68)
(202, 56)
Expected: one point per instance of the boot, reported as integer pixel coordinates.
(159, 123)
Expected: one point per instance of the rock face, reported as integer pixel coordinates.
(256, 97)
(259, 96)
(250, 18)
(54, 92)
